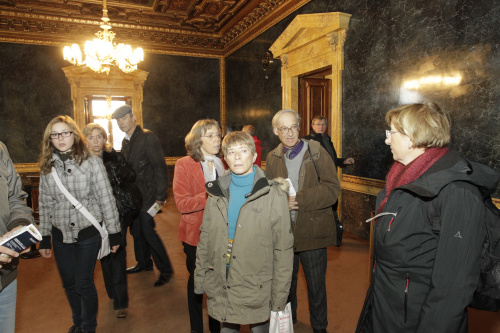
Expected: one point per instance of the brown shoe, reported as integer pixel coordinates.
(121, 313)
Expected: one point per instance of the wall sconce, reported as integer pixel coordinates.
(267, 60)
(434, 81)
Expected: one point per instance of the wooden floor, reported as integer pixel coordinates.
(42, 306)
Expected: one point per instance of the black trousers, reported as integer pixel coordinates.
(147, 243)
(114, 272)
(195, 302)
(314, 266)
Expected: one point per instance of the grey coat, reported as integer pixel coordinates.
(13, 210)
(89, 184)
(260, 271)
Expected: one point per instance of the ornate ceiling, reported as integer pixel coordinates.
(207, 28)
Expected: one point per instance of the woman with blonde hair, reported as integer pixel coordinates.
(128, 201)
(74, 238)
(429, 229)
(190, 175)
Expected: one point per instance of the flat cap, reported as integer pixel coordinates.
(121, 111)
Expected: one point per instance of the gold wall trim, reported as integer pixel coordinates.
(34, 167)
(222, 78)
(362, 185)
(27, 167)
(373, 186)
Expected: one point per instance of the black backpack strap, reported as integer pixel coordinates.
(314, 164)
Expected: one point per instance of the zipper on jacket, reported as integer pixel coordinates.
(390, 222)
(406, 295)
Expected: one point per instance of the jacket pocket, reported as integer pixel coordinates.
(256, 290)
(209, 284)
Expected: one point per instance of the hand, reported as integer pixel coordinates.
(46, 253)
(349, 161)
(115, 248)
(292, 204)
(160, 203)
(8, 253)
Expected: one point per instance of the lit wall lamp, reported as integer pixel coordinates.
(434, 81)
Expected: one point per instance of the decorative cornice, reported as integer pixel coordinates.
(244, 39)
(32, 28)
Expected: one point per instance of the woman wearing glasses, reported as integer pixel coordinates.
(429, 228)
(75, 240)
(190, 175)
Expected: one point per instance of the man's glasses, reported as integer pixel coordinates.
(65, 134)
(213, 136)
(284, 129)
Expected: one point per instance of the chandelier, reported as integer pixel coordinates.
(101, 53)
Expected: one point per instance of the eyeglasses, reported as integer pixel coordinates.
(213, 136)
(284, 129)
(389, 133)
(65, 134)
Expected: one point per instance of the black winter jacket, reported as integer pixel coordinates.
(423, 278)
(339, 162)
(145, 154)
(121, 177)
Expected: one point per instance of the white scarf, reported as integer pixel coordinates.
(217, 171)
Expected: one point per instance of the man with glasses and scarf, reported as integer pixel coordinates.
(312, 173)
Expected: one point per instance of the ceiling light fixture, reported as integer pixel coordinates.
(101, 53)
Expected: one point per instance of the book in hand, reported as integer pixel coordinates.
(22, 238)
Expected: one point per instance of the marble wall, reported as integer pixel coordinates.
(390, 42)
(33, 90)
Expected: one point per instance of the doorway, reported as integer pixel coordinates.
(315, 91)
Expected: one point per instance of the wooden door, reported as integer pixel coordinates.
(314, 100)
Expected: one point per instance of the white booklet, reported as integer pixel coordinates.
(291, 190)
(154, 209)
(21, 238)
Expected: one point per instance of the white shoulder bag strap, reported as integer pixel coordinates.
(76, 203)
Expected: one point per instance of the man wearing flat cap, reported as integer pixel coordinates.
(142, 149)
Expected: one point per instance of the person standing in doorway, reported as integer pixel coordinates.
(318, 133)
(142, 149)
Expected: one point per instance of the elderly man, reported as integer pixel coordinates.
(143, 151)
(312, 173)
(13, 214)
(318, 133)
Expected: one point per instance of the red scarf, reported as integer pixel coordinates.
(400, 174)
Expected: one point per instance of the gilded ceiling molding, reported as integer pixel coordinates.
(241, 41)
